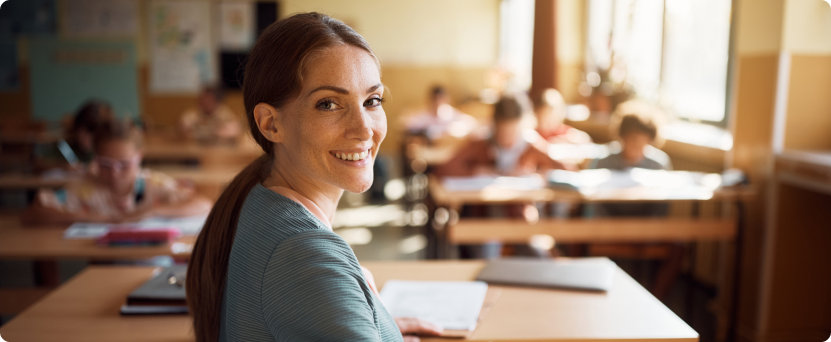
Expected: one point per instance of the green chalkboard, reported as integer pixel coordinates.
(66, 73)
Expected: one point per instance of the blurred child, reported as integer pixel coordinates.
(210, 120)
(510, 151)
(440, 118)
(550, 109)
(637, 130)
(86, 122)
(116, 189)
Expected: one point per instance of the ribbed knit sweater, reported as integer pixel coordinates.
(290, 278)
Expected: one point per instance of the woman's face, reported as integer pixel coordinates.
(332, 130)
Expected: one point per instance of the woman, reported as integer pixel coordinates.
(267, 265)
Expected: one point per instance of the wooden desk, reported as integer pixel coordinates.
(26, 181)
(209, 181)
(86, 309)
(47, 243)
(585, 230)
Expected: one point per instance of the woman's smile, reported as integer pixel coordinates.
(353, 155)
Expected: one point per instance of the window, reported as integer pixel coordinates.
(672, 52)
(516, 38)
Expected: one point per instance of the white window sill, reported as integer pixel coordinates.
(699, 134)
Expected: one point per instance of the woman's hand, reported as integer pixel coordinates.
(410, 327)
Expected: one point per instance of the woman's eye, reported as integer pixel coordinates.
(375, 101)
(326, 105)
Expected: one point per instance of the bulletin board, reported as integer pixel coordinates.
(67, 73)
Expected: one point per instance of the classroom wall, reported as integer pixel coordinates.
(807, 39)
(420, 43)
(781, 101)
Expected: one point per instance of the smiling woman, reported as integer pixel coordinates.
(267, 265)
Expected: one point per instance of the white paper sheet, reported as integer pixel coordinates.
(476, 183)
(188, 226)
(454, 305)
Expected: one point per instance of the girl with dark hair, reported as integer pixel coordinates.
(267, 265)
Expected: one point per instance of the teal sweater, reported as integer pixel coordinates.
(290, 278)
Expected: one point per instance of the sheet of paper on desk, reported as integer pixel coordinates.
(476, 183)
(188, 225)
(454, 305)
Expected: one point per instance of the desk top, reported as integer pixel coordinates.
(496, 195)
(47, 242)
(216, 175)
(86, 309)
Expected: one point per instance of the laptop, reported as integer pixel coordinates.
(592, 274)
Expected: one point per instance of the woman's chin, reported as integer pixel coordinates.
(358, 185)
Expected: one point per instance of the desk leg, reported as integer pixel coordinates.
(726, 304)
(47, 273)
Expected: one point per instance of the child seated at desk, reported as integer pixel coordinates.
(637, 130)
(550, 109)
(210, 120)
(512, 150)
(116, 188)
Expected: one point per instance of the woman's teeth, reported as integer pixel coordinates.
(352, 156)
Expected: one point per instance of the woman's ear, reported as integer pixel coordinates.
(269, 123)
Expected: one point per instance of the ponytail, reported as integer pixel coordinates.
(208, 264)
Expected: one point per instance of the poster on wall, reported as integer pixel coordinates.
(100, 18)
(236, 26)
(181, 57)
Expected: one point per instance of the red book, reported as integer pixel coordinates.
(141, 237)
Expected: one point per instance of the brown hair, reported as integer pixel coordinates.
(273, 75)
(510, 107)
(637, 116)
(116, 130)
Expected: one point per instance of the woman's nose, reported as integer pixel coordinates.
(360, 125)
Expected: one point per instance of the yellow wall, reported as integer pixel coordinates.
(420, 43)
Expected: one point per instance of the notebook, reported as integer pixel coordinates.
(593, 274)
(453, 305)
(164, 293)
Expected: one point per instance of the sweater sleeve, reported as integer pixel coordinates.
(313, 290)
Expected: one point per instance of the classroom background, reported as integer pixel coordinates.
(739, 90)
